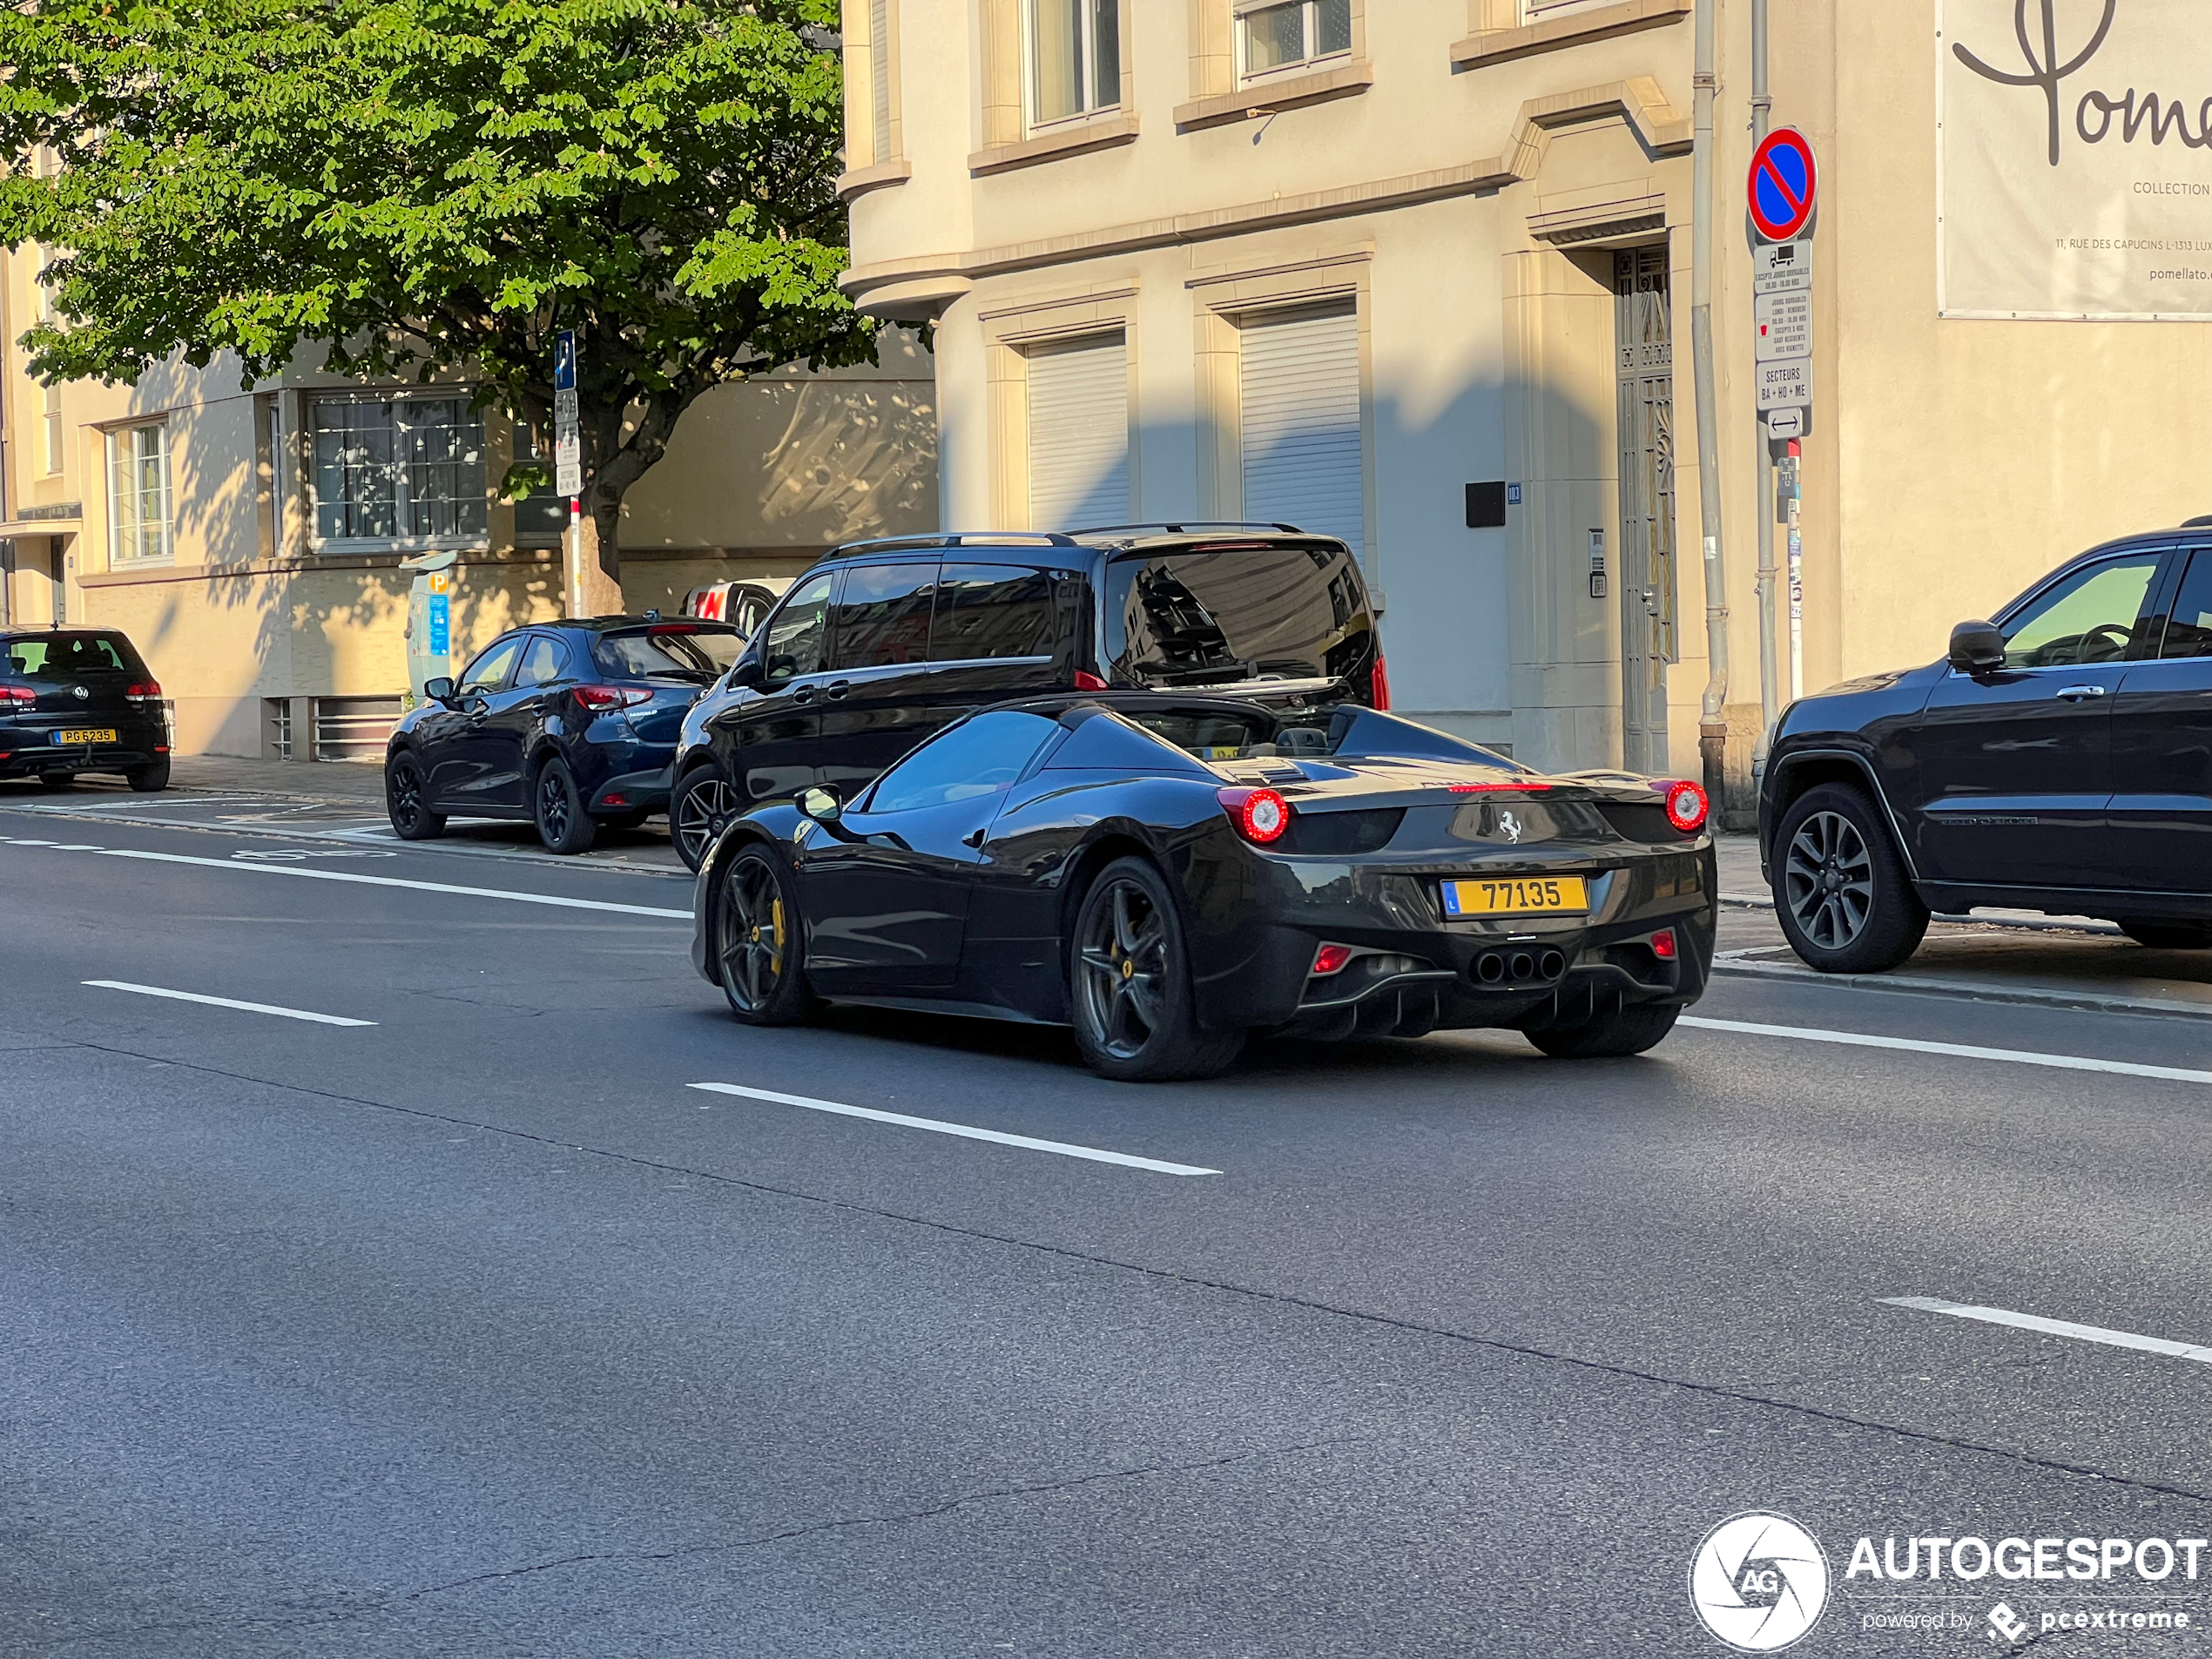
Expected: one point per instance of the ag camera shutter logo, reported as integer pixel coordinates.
(1759, 1582)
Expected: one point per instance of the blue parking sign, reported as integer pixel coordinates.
(440, 623)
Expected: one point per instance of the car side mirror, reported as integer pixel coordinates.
(1977, 647)
(439, 689)
(821, 805)
(745, 674)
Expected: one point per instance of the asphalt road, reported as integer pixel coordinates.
(477, 1329)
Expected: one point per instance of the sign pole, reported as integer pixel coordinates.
(567, 461)
(1779, 195)
(1762, 123)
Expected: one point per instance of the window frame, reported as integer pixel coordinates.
(1087, 26)
(1314, 61)
(115, 437)
(394, 399)
(2009, 620)
(518, 641)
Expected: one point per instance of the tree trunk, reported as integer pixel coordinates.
(593, 565)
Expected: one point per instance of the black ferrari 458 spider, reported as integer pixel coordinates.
(1170, 873)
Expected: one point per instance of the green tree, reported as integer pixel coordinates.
(432, 188)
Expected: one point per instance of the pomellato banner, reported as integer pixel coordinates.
(2073, 159)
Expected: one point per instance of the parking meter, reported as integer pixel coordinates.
(429, 622)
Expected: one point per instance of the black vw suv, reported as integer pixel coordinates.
(2059, 760)
(882, 643)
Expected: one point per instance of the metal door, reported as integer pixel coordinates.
(1643, 366)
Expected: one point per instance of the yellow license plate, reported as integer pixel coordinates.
(85, 734)
(1525, 896)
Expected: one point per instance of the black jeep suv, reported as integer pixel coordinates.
(882, 643)
(2059, 760)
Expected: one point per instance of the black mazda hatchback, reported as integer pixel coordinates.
(882, 644)
(2057, 758)
(80, 699)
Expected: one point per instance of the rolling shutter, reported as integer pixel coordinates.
(1299, 376)
(1079, 435)
(879, 79)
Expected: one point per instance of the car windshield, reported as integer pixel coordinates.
(71, 656)
(1236, 614)
(683, 649)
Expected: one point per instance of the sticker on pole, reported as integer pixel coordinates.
(1781, 184)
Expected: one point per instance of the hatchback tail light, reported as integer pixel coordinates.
(143, 692)
(605, 699)
(1379, 682)
(16, 700)
(1261, 815)
(1686, 805)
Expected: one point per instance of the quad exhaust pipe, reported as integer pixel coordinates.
(1519, 967)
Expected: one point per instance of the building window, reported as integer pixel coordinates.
(52, 422)
(398, 469)
(138, 494)
(1075, 59)
(542, 516)
(1272, 35)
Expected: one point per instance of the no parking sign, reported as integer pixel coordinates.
(1781, 184)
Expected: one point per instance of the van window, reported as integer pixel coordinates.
(795, 636)
(883, 615)
(1204, 618)
(993, 610)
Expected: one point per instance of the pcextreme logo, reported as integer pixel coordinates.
(1759, 1582)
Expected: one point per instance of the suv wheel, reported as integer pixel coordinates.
(1136, 1015)
(563, 824)
(407, 800)
(702, 801)
(1840, 890)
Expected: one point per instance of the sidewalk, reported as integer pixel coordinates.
(332, 780)
(1999, 955)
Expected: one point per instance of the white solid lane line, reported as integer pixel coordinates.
(964, 1130)
(223, 1003)
(259, 868)
(1956, 1050)
(2172, 1350)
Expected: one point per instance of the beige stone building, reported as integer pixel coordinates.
(248, 539)
(1335, 261)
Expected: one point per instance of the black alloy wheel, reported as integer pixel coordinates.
(2168, 935)
(757, 937)
(1840, 890)
(563, 824)
(1613, 1035)
(406, 798)
(56, 779)
(703, 800)
(1135, 1016)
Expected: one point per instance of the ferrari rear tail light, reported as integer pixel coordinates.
(1379, 682)
(1088, 682)
(1261, 815)
(1686, 805)
(604, 699)
(143, 692)
(1330, 959)
(1662, 944)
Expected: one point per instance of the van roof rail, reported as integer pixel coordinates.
(955, 538)
(1185, 527)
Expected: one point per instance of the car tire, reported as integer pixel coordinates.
(2168, 935)
(1128, 982)
(1840, 890)
(557, 806)
(56, 779)
(1612, 1035)
(148, 781)
(759, 938)
(407, 800)
(702, 801)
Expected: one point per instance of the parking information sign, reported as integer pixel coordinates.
(1782, 334)
(568, 442)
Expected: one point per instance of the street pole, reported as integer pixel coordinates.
(1712, 729)
(1762, 120)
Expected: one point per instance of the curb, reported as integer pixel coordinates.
(1915, 985)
